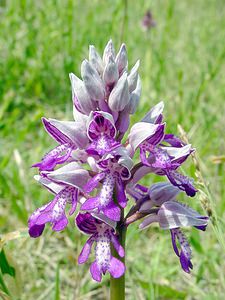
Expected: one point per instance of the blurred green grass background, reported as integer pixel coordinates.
(182, 63)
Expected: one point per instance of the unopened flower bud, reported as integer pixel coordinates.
(80, 94)
(134, 98)
(109, 51)
(111, 73)
(121, 59)
(95, 59)
(133, 77)
(119, 96)
(92, 81)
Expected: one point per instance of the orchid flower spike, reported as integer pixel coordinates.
(95, 170)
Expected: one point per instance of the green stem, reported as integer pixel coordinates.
(117, 285)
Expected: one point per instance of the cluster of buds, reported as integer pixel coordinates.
(92, 167)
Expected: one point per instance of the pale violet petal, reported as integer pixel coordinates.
(154, 113)
(140, 132)
(71, 174)
(69, 129)
(173, 215)
(51, 186)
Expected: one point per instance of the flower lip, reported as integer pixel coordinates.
(185, 251)
(53, 212)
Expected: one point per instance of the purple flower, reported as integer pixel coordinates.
(65, 184)
(165, 161)
(101, 131)
(53, 212)
(159, 193)
(148, 22)
(91, 168)
(173, 215)
(70, 136)
(150, 138)
(115, 168)
(103, 235)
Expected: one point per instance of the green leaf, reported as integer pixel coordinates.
(5, 266)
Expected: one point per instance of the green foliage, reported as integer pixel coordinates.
(182, 63)
(5, 266)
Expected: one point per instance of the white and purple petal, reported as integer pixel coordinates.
(95, 59)
(109, 51)
(142, 131)
(110, 73)
(161, 192)
(135, 95)
(67, 132)
(173, 214)
(121, 59)
(178, 154)
(53, 187)
(154, 116)
(71, 174)
(132, 78)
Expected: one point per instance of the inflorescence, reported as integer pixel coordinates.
(98, 175)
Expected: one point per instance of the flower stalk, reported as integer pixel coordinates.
(117, 285)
